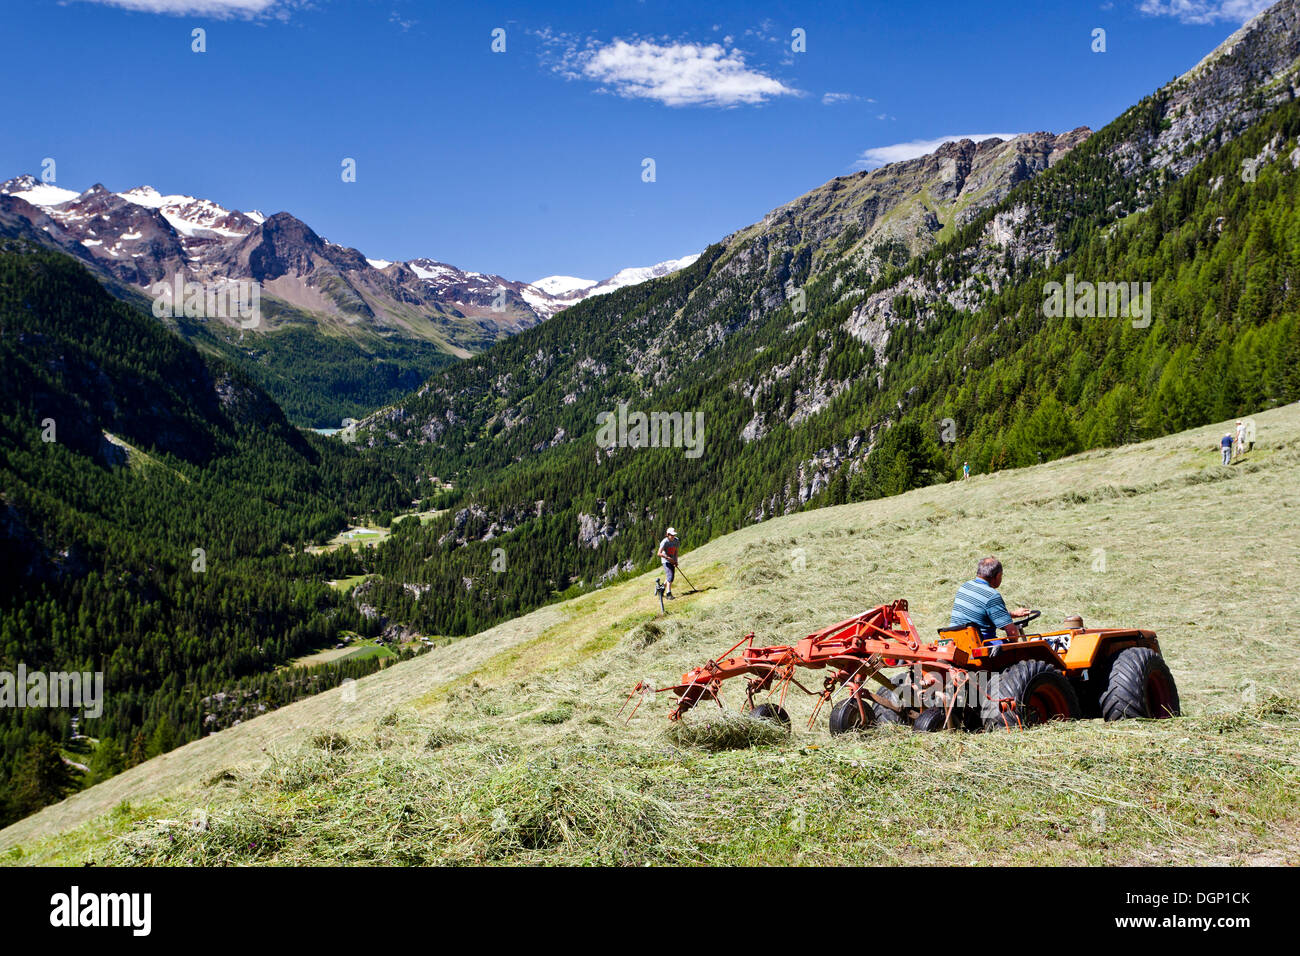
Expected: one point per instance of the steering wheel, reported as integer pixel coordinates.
(1022, 621)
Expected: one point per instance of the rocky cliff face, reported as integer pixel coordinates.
(1248, 74)
(915, 202)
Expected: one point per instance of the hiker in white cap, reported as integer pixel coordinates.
(668, 555)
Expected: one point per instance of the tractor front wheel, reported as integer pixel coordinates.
(1139, 685)
(1035, 692)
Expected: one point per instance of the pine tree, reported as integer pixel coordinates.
(107, 761)
(906, 457)
(138, 748)
(1048, 433)
(42, 777)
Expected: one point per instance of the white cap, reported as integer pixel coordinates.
(673, 532)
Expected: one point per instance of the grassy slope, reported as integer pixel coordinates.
(505, 746)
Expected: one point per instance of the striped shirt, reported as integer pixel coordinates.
(981, 605)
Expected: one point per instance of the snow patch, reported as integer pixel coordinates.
(562, 285)
(434, 270)
(47, 195)
(149, 197)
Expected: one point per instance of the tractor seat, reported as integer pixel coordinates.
(956, 627)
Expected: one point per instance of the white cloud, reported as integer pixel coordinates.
(1205, 11)
(829, 99)
(675, 74)
(898, 152)
(221, 9)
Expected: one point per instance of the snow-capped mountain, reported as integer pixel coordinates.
(563, 285)
(190, 216)
(142, 237)
(568, 289)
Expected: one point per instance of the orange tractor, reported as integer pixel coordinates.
(959, 680)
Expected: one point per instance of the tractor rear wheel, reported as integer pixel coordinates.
(774, 713)
(1038, 692)
(1139, 685)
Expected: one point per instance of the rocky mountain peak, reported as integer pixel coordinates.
(19, 184)
(281, 245)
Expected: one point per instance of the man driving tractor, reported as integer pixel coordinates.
(979, 603)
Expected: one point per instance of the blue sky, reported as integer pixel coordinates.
(529, 162)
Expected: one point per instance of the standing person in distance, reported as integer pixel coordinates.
(668, 555)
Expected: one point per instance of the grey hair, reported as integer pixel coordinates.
(989, 568)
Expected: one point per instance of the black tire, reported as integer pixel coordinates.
(847, 716)
(903, 681)
(1038, 692)
(885, 715)
(1139, 685)
(774, 713)
(932, 719)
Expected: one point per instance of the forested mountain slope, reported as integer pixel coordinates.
(150, 502)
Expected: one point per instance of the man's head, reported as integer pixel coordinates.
(990, 571)
(672, 532)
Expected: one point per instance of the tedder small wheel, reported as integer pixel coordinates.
(847, 715)
(1139, 685)
(774, 713)
(1040, 693)
(932, 719)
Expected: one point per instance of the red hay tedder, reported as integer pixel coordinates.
(960, 680)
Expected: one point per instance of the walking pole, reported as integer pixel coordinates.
(678, 569)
